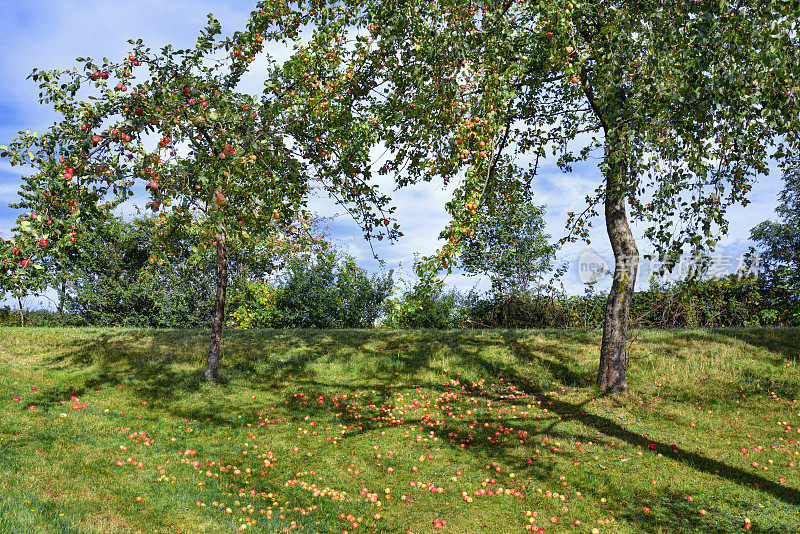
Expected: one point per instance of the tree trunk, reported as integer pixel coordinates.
(611, 375)
(212, 364)
(62, 291)
(21, 313)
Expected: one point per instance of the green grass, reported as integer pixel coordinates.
(311, 430)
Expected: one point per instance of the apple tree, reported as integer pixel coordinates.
(53, 230)
(681, 103)
(16, 278)
(212, 159)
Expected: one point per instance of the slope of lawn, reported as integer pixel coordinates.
(112, 430)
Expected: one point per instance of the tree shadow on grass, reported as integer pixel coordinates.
(771, 339)
(385, 361)
(784, 342)
(759, 379)
(565, 369)
(612, 429)
(166, 365)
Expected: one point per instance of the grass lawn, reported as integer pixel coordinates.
(113, 430)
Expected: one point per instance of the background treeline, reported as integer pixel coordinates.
(114, 281)
(329, 290)
(299, 281)
(732, 301)
(324, 294)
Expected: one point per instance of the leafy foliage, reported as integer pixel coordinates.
(328, 291)
(509, 244)
(33, 318)
(426, 305)
(779, 247)
(731, 301)
(456, 86)
(117, 284)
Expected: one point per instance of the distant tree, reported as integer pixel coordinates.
(509, 244)
(779, 247)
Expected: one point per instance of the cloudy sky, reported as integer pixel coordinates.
(52, 33)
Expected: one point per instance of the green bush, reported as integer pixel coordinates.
(329, 291)
(729, 301)
(11, 317)
(137, 294)
(547, 308)
(732, 301)
(426, 305)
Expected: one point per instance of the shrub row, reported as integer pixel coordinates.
(333, 292)
(732, 301)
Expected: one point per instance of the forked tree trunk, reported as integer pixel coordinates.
(611, 375)
(212, 364)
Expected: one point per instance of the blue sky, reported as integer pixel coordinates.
(51, 34)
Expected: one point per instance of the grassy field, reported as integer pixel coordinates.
(105, 430)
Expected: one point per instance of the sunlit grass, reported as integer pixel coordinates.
(390, 431)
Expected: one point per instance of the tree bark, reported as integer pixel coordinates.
(62, 291)
(212, 363)
(21, 313)
(611, 375)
